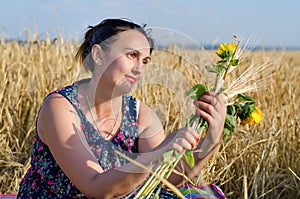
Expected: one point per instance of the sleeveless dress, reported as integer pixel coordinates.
(45, 179)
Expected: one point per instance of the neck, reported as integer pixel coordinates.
(104, 102)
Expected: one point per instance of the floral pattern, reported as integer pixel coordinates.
(45, 179)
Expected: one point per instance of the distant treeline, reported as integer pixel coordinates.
(193, 46)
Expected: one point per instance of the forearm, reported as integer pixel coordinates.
(115, 183)
(204, 151)
(201, 158)
(201, 161)
(119, 181)
(206, 146)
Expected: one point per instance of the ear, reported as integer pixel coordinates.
(97, 54)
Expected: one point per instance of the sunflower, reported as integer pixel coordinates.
(226, 51)
(254, 117)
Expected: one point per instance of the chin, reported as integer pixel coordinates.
(123, 88)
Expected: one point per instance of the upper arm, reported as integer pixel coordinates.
(150, 129)
(59, 127)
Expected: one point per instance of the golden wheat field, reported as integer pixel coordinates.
(261, 161)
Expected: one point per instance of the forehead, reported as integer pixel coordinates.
(132, 39)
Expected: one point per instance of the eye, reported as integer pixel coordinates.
(146, 61)
(132, 55)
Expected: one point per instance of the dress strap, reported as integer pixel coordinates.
(138, 103)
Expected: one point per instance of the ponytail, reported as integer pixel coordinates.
(84, 48)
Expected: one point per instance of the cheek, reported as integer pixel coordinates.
(120, 67)
(116, 70)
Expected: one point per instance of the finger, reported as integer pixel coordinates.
(210, 99)
(195, 135)
(205, 115)
(220, 107)
(191, 136)
(184, 143)
(220, 98)
(177, 146)
(217, 103)
(180, 145)
(207, 107)
(192, 131)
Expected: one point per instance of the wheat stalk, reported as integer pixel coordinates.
(255, 77)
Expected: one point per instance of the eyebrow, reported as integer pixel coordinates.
(132, 49)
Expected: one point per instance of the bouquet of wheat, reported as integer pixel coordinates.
(241, 109)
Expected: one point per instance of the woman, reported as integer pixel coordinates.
(80, 126)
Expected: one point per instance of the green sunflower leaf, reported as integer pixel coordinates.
(231, 109)
(245, 110)
(197, 91)
(244, 97)
(234, 62)
(226, 134)
(189, 158)
(215, 69)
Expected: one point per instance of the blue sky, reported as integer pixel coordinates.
(270, 22)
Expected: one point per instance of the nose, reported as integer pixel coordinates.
(138, 69)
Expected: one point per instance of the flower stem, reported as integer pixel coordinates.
(164, 170)
(160, 178)
(231, 58)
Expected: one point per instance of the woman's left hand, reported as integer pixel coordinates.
(211, 107)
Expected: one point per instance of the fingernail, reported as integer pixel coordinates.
(205, 93)
(198, 111)
(193, 145)
(197, 139)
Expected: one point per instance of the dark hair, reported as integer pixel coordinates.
(104, 34)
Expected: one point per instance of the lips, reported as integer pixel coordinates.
(132, 79)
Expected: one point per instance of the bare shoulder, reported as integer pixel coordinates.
(147, 117)
(59, 127)
(150, 129)
(56, 114)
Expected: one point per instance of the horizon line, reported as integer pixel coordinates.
(160, 46)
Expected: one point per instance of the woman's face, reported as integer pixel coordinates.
(125, 61)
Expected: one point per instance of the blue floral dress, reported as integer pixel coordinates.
(45, 179)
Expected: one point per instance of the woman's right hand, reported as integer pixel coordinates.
(185, 138)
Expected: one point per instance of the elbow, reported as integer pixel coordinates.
(98, 193)
(109, 189)
(93, 189)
